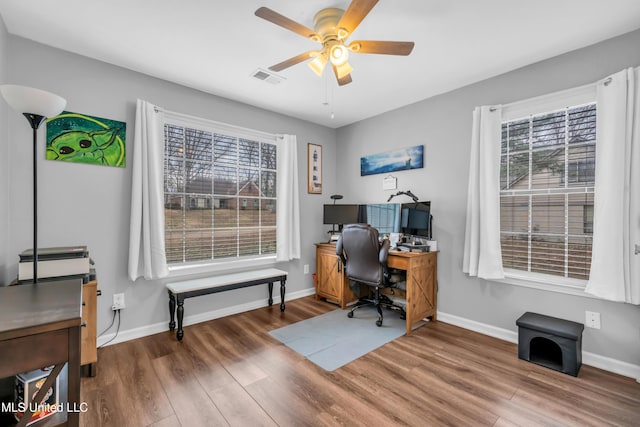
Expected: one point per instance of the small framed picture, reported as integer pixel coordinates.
(314, 168)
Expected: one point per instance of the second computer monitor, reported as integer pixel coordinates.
(416, 219)
(340, 214)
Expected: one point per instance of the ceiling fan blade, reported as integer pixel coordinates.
(381, 47)
(284, 22)
(355, 13)
(293, 61)
(344, 80)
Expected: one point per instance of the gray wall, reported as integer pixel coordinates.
(6, 384)
(443, 125)
(89, 205)
(4, 159)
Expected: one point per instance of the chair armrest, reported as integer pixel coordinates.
(340, 251)
(384, 252)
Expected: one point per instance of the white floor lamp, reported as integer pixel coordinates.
(36, 105)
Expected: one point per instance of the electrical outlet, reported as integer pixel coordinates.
(306, 269)
(592, 319)
(118, 302)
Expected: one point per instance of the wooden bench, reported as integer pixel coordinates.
(178, 291)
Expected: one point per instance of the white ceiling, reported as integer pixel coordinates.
(216, 45)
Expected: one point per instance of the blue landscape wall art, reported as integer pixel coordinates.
(391, 161)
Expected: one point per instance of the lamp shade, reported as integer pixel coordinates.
(29, 100)
(318, 64)
(338, 54)
(343, 70)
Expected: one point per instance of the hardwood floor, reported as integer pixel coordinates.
(230, 371)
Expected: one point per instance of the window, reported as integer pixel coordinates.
(581, 170)
(220, 194)
(588, 219)
(547, 177)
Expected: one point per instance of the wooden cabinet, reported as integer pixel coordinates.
(331, 284)
(88, 338)
(421, 285)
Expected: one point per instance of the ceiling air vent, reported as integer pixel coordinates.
(267, 76)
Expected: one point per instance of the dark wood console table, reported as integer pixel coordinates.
(40, 326)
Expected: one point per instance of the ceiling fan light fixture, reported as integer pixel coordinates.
(343, 70)
(354, 47)
(332, 28)
(318, 63)
(338, 54)
(342, 34)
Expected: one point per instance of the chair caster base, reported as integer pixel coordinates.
(350, 314)
(379, 322)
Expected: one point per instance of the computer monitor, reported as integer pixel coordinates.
(416, 219)
(340, 214)
(385, 217)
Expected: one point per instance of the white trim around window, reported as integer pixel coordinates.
(202, 267)
(530, 108)
(221, 263)
(544, 282)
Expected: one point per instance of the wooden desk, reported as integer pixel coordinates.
(40, 326)
(422, 284)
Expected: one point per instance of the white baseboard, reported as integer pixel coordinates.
(483, 328)
(155, 328)
(591, 359)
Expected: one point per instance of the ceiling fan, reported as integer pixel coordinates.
(332, 27)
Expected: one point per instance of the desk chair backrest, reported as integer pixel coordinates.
(365, 260)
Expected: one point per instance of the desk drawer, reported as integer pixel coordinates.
(33, 352)
(398, 262)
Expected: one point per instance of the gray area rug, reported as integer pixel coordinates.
(332, 340)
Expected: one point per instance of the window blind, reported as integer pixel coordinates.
(220, 193)
(547, 174)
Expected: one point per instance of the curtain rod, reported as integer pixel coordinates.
(263, 134)
(606, 82)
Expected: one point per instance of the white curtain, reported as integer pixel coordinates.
(288, 208)
(482, 252)
(615, 268)
(146, 233)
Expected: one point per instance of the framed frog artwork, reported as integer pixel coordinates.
(74, 137)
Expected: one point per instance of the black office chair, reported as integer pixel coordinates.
(365, 261)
